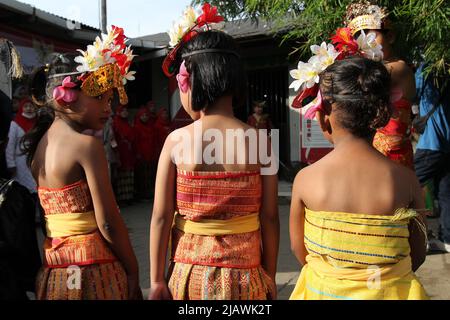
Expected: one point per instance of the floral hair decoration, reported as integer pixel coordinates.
(64, 93)
(103, 66)
(307, 75)
(183, 78)
(187, 28)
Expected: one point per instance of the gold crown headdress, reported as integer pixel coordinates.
(364, 15)
(103, 66)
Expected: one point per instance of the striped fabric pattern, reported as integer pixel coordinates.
(357, 256)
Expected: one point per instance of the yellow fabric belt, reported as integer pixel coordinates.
(70, 224)
(207, 227)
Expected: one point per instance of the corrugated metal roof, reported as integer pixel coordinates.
(238, 29)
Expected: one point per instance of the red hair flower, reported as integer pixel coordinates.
(345, 43)
(210, 15)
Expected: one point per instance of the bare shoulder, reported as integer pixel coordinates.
(399, 68)
(304, 178)
(86, 146)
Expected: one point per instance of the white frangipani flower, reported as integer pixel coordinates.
(129, 77)
(189, 18)
(369, 46)
(175, 34)
(186, 22)
(306, 75)
(325, 55)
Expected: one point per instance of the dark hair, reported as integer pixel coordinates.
(214, 74)
(41, 87)
(360, 89)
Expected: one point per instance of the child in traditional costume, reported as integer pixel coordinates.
(125, 137)
(163, 128)
(146, 153)
(357, 222)
(394, 140)
(225, 232)
(87, 252)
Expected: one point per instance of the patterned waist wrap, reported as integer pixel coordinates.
(394, 140)
(217, 221)
(73, 238)
(356, 256)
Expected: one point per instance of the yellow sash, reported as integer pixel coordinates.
(207, 227)
(70, 224)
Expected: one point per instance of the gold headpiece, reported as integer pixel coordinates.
(364, 15)
(105, 78)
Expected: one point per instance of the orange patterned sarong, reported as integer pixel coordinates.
(225, 267)
(80, 266)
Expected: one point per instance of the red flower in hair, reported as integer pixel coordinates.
(209, 15)
(345, 43)
(120, 39)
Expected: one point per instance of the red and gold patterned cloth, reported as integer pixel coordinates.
(217, 267)
(102, 276)
(394, 140)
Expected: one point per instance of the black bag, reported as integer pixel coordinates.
(19, 253)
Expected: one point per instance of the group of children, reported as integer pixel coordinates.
(137, 148)
(355, 215)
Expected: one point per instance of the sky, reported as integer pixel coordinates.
(137, 17)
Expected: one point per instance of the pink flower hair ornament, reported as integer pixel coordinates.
(314, 106)
(65, 92)
(183, 78)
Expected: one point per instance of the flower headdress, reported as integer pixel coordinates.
(188, 27)
(307, 74)
(103, 66)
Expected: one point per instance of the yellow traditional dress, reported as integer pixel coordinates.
(358, 257)
(78, 263)
(216, 239)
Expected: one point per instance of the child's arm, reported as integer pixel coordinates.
(297, 223)
(162, 219)
(418, 229)
(270, 226)
(110, 223)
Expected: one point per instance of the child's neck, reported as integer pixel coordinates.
(70, 123)
(343, 140)
(222, 107)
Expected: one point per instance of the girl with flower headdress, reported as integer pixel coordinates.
(87, 251)
(394, 140)
(221, 218)
(357, 221)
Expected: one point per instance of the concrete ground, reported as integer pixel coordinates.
(434, 273)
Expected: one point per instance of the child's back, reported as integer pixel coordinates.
(358, 179)
(355, 219)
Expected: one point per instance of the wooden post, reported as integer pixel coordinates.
(103, 16)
